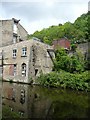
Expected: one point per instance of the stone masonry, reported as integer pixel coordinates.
(24, 60)
(11, 29)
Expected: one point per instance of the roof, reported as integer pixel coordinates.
(62, 42)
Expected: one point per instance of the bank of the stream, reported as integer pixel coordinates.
(66, 80)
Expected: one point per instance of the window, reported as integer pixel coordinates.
(24, 51)
(36, 71)
(14, 70)
(14, 39)
(14, 53)
(23, 69)
(15, 28)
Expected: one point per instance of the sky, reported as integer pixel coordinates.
(35, 15)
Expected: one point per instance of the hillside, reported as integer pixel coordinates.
(75, 32)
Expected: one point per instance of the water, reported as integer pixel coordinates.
(40, 102)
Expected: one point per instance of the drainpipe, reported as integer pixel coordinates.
(2, 65)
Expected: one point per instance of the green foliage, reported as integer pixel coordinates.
(73, 47)
(7, 113)
(76, 32)
(66, 80)
(74, 63)
(88, 26)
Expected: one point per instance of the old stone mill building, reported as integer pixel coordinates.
(22, 60)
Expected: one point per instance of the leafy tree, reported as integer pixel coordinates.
(61, 60)
(76, 32)
(72, 64)
(87, 35)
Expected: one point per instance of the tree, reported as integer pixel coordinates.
(75, 32)
(61, 60)
(70, 64)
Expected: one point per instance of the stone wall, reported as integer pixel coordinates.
(22, 32)
(7, 31)
(84, 48)
(37, 60)
(0, 33)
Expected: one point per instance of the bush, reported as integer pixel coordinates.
(65, 80)
(74, 63)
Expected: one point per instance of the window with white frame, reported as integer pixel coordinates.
(24, 51)
(14, 53)
(23, 69)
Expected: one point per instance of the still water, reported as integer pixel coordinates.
(40, 102)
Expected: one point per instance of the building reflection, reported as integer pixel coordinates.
(38, 102)
(25, 100)
(15, 97)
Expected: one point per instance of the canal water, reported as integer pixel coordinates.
(39, 102)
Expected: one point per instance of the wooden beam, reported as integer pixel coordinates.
(50, 50)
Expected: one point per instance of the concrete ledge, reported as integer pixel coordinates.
(16, 82)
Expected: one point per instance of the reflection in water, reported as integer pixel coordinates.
(38, 102)
(22, 97)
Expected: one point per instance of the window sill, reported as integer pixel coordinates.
(23, 76)
(24, 56)
(14, 57)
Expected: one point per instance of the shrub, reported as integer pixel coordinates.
(65, 80)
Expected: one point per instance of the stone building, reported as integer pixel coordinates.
(23, 60)
(12, 32)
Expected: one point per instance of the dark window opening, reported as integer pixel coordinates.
(36, 71)
(14, 71)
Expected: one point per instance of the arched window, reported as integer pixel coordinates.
(23, 69)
